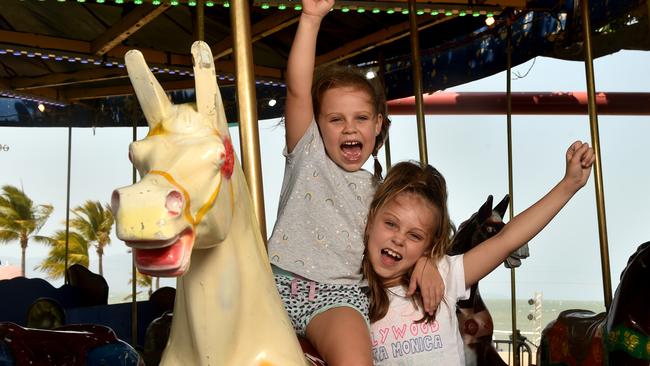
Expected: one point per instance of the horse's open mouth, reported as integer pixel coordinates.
(167, 258)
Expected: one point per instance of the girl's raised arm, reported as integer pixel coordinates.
(299, 110)
(485, 257)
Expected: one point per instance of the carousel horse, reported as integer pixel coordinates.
(191, 217)
(72, 345)
(41, 338)
(619, 337)
(474, 319)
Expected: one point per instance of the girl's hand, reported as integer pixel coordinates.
(317, 8)
(579, 160)
(427, 278)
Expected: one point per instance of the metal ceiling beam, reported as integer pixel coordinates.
(259, 30)
(102, 74)
(76, 94)
(524, 103)
(44, 44)
(384, 36)
(61, 79)
(128, 25)
(51, 94)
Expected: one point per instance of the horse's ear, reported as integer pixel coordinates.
(502, 206)
(486, 209)
(153, 100)
(208, 97)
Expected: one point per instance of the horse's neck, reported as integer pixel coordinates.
(227, 305)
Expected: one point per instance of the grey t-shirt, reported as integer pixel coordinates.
(322, 215)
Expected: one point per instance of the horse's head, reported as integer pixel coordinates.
(482, 225)
(184, 199)
(474, 319)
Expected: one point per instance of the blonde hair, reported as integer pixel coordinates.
(427, 183)
(345, 76)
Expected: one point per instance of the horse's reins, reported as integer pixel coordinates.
(205, 207)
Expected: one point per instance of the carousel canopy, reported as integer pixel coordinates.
(68, 55)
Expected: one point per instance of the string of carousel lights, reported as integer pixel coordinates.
(32, 98)
(110, 63)
(375, 7)
(102, 62)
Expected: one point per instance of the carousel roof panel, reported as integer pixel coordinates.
(70, 53)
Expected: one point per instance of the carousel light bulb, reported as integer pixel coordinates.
(272, 102)
(370, 75)
(41, 107)
(489, 21)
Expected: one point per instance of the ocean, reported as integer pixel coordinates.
(531, 319)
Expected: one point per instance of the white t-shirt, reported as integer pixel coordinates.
(398, 340)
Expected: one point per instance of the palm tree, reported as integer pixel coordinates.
(94, 222)
(54, 264)
(141, 281)
(20, 219)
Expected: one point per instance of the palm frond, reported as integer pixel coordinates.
(54, 263)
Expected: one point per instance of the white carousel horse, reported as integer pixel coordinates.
(192, 201)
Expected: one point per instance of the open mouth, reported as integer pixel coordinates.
(390, 257)
(352, 150)
(166, 258)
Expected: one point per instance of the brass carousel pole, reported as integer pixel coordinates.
(595, 140)
(199, 26)
(247, 106)
(134, 273)
(382, 81)
(513, 282)
(66, 280)
(417, 83)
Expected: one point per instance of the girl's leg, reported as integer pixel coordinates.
(341, 337)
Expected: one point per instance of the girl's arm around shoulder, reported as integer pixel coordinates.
(482, 259)
(426, 276)
(299, 110)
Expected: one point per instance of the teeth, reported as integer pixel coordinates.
(350, 143)
(146, 244)
(392, 253)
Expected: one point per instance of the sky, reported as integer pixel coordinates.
(471, 151)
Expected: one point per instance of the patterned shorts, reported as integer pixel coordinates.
(304, 299)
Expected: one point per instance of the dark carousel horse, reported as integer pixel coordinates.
(70, 345)
(474, 319)
(619, 337)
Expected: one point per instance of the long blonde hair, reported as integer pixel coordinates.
(426, 182)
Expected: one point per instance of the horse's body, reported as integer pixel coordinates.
(474, 319)
(619, 337)
(193, 201)
(73, 345)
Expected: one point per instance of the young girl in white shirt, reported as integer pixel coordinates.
(408, 218)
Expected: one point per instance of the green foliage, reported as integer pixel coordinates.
(20, 219)
(143, 281)
(54, 264)
(94, 222)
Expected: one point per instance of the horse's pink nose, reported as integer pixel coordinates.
(174, 203)
(115, 202)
